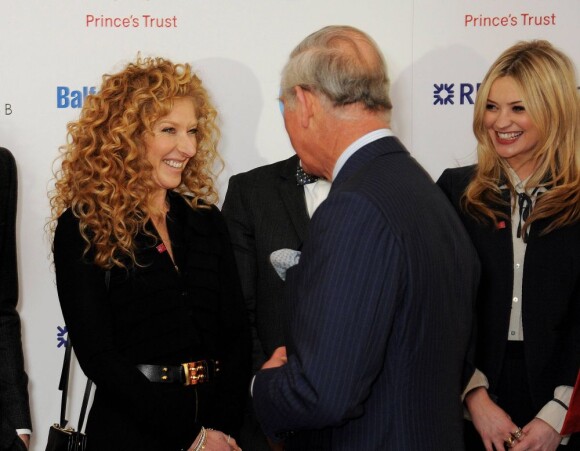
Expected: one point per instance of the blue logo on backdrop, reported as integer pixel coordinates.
(72, 98)
(445, 93)
(61, 336)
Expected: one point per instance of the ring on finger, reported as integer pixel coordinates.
(510, 441)
(518, 434)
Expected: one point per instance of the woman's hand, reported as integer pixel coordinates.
(538, 436)
(216, 441)
(492, 423)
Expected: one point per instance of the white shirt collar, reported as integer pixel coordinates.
(358, 144)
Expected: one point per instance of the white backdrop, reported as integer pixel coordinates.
(437, 52)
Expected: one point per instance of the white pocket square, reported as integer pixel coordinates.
(283, 259)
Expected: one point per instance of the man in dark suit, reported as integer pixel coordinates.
(379, 309)
(14, 408)
(267, 209)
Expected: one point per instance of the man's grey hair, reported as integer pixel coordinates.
(342, 63)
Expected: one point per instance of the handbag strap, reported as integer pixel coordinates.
(85, 404)
(64, 377)
(63, 386)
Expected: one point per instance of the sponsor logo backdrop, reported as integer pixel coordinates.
(54, 53)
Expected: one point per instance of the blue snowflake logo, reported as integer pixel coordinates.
(443, 94)
(62, 336)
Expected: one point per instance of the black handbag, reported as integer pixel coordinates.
(61, 437)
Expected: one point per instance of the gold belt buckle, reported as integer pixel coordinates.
(195, 372)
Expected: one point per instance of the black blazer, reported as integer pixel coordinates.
(14, 406)
(153, 314)
(265, 210)
(551, 296)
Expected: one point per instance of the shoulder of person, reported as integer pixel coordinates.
(7, 167)
(6, 156)
(203, 217)
(460, 173)
(68, 221)
(274, 169)
(458, 177)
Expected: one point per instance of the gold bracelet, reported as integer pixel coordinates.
(202, 440)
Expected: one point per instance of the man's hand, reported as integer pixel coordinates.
(276, 446)
(278, 358)
(26, 439)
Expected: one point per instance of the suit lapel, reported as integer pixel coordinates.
(292, 196)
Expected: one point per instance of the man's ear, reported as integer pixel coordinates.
(306, 105)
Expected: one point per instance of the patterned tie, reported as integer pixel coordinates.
(303, 178)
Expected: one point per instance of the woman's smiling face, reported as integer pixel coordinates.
(511, 129)
(172, 144)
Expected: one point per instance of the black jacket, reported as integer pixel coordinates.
(551, 296)
(14, 408)
(153, 314)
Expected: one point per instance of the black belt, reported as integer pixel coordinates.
(190, 373)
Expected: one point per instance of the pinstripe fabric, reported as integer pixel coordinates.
(379, 316)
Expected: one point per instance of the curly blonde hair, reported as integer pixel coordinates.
(546, 79)
(105, 177)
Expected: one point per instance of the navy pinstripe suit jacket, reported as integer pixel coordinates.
(379, 315)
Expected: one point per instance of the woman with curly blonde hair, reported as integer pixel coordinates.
(521, 206)
(145, 272)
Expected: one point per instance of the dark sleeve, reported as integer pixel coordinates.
(237, 343)
(240, 224)
(14, 406)
(84, 302)
(454, 192)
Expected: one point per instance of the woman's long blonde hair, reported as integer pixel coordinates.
(547, 82)
(105, 177)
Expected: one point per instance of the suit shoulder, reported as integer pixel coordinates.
(6, 156)
(454, 181)
(7, 166)
(67, 224)
(267, 170)
(458, 175)
(205, 219)
(67, 219)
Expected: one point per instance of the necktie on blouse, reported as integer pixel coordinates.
(525, 204)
